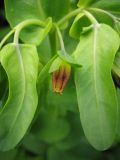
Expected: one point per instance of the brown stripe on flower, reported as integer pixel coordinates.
(60, 78)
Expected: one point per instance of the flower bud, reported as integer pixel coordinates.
(60, 77)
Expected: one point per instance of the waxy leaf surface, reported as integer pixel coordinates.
(96, 92)
(21, 65)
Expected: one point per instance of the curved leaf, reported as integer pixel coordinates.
(80, 21)
(96, 93)
(67, 58)
(21, 65)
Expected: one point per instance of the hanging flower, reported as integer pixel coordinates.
(60, 78)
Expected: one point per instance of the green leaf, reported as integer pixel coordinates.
(96, 92)
(53, 129)
(18, 11)
(102, 17)
(57, 10)
(63, 58)
(113, 6)
(44, 50)
(35, 35)
(84, 3)
(21, 65)
(44, 73)
(3, 32)
(80, 21)
(9, 155)
(33, 144)
(67, 58)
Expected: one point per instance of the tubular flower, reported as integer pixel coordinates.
(60, 77)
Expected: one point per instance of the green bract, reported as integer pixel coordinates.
(20, 63)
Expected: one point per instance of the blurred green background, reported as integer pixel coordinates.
(56, 132)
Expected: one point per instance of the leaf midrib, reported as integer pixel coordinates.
(95, 73)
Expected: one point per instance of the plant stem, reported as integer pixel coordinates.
(25, 23)
(60, 39)
(53, 42)
(68, 16)
(90, 17)
(6, 37)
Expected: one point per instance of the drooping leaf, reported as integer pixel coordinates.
(96, 93)
(80, 21)
(21, 65)
(63, 58)
(67, 58)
